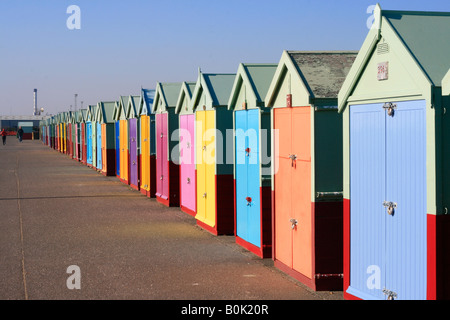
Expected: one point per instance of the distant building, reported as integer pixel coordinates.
(30, 124)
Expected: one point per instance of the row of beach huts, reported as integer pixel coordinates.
(334, 164)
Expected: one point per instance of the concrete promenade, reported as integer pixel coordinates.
(55, 212)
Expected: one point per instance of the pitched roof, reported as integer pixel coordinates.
(257, 76)
(166, 95)
(219, 87)
(423, 34)
(146, 101)
(186, 91)
(106, 111)
(132, 106)
(426, 35)
(323, 72)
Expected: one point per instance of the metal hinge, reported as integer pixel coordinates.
(390, 108)
(391, 295)
(293, 222)
(390, 207)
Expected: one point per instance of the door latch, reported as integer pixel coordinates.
(390, 207)
(293, 222)
(188, 180)
(204, 195)
(391, 295)
(249, 201)
(247, 152)
(390, 108)
(293, 157)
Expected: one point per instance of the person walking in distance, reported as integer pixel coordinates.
(20, 134)
(3, 134)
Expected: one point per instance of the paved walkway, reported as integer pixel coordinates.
(56, 212)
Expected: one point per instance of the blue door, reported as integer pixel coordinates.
(388, 169)
(248, 204)
(89, 142)
(117, 132)
(99, 146)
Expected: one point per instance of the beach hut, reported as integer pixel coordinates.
(148, 148)
(89, 135)
(66, 135)
(395, 133)
(94, 136)
(213, 155)
(82, 124)
(42, 131)
(52, 126)
(74, 133)
(166, 127)
(252, 174)
(105, 110)
(98, 140)
(186, 148)
(76, 146)
(117, 137)
(307, 166)
(120, 116)
(133, 141)
(58, 132)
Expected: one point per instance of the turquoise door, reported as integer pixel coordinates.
(247, 175)
(388, 201)
(89, 142)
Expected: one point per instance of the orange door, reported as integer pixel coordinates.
(293, 223)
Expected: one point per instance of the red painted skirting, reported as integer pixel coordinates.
(441, 241)
(431, 257)
(187, 210)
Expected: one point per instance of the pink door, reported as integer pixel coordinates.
(187, 165)
(162, 165)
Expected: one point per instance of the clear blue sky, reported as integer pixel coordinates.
(123, 45)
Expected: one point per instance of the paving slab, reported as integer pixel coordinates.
(56, 212)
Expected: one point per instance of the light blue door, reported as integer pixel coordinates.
(99, 146)
(406, 185)
(248, 204)
(89, 142)
(387, 167)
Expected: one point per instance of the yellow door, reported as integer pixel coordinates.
(145, 153)
(206, 167)
(64, 137)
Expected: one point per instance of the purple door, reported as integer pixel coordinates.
(162, 177)
(133, 153)
(187, 165)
